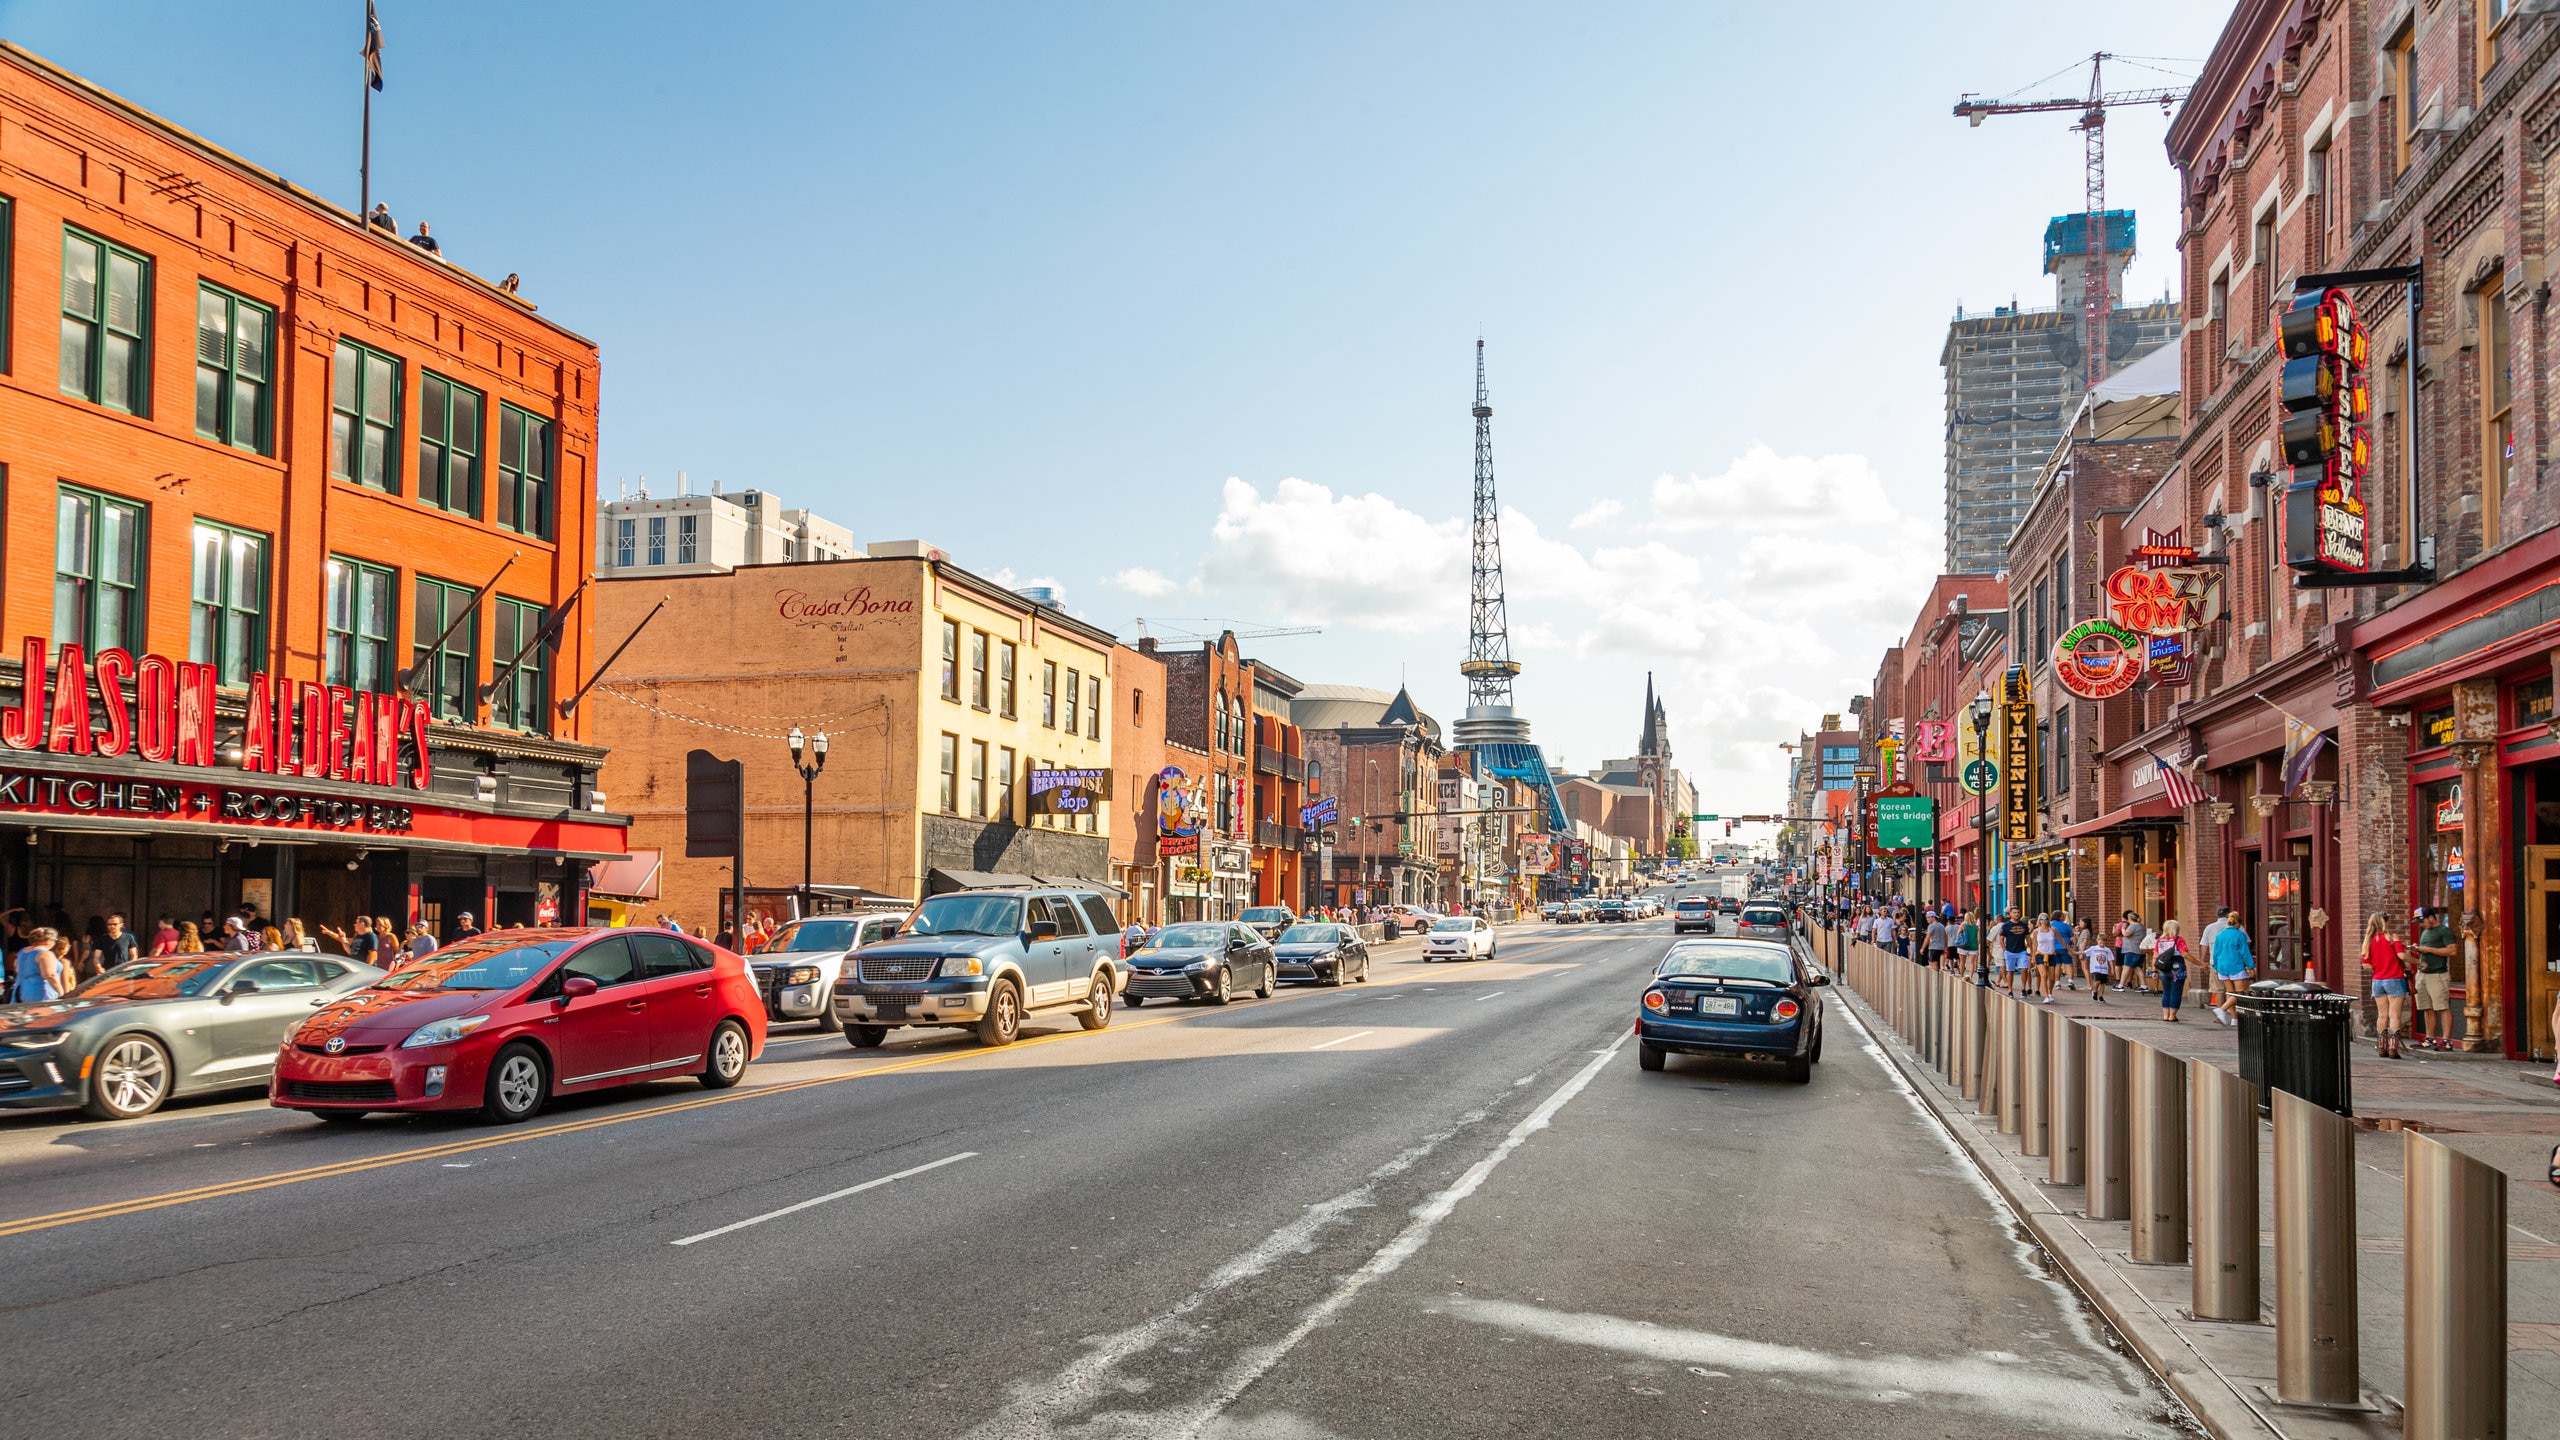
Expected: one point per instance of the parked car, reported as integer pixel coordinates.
(1267, 920)
(1459, 937)
(1411, 919)
(796, 970)
(1323, 953)
(1737, 998)
(987, 959)
(1692, 912)
(1763, 921)
(1203, 960)
(503, 1022)
(125, 1042)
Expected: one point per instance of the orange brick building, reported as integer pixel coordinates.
(291, 512)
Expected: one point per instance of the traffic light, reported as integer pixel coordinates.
(2327, 436)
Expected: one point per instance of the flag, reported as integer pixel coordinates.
(372, 47)
(2182, 787)
(2302, 746)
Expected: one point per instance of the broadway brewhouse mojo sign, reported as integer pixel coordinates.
(162, 711)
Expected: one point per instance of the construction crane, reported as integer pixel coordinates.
(1177, 628)
(2098, 291)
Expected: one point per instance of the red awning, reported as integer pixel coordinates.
(2155, 808)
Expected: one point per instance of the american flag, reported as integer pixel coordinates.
(2182, 787)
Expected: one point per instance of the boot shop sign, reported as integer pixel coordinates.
(162, 711)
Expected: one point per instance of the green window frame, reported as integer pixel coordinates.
(453, 668)
(523, 701)
(363, 609)
(106, 323)
(449, 442)
(235, 339)
(524, 472)
(98, 550)
(364, 418)
(227, 619)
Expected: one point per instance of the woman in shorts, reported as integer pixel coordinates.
(2388, 962)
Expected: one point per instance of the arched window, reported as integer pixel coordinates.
(1221, 734)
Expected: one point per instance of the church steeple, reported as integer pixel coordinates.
(1649, 741)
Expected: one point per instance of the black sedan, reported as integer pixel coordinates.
(1201, 960)
(1742, 999)
(1322, 954)
(130, 1039)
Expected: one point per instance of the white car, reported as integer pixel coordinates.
(1458, 937)
(797, 969)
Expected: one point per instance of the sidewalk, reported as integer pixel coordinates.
(2493, 1109)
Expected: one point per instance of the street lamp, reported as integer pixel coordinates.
(1982, 827)
(808, 769)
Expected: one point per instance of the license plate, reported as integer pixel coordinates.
(1719, 1005)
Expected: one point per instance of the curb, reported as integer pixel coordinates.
(2212, 1398)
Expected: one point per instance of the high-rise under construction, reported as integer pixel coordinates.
(2015, 377)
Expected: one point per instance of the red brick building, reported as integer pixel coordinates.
(311, 495)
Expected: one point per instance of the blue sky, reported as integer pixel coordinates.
(1175, 306)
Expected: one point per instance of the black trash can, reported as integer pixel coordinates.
(2293, 1037)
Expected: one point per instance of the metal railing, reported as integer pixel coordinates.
(1278, 762)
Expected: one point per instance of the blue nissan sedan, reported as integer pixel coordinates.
(1749, 999)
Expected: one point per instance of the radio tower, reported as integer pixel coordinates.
(1488, 666)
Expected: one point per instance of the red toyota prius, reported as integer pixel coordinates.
(504, 1021)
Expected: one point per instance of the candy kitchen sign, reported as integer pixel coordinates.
(295, 728)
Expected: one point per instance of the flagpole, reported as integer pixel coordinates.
(364, 166)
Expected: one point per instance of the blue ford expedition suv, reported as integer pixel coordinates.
(986, 959)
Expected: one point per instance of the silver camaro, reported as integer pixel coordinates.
(126, 1041)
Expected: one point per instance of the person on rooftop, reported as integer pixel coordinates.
(423, 240)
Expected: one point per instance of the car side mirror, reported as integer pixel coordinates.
(1044, 929)
(576, 986)
(1821, 977)
(241, 987)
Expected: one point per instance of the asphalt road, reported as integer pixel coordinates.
(1443, 1204)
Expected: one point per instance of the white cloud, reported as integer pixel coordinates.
(1764, 489)
(1142, 582)
(1360, 559)
(1599, 514)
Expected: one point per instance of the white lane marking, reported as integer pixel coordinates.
(1256, 1363)
(1329, 1044)
(2020, 1391)
(831, 1195)
(1482, 998)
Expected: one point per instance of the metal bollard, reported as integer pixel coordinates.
(2011, 1014)
(2454, 1275)
(2067, 1117)
(2315, 1166)
(2035, 1080)
(2159, 1156)
(2222, 1170)
(1969, 1041)
(2103, 1141)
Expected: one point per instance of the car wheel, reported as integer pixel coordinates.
(133, 1078)
(726, 1063)
(1492, 950)
(1097, 1001)
(1341, 972)
(518, 1084)
(1799, 1070)
(1225, 991)
(1816, 1052)
(1003, 1022)
(1133, 1001)
(1648, 1056)
(1269, 983)
(867, 1037)
(828, 1024)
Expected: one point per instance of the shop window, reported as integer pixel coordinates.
(1075, 691)
(2497, 407)
(978, 779)
(522, 700)
(626, 543)
(451, 661)
(2432, 728)
(1003, 800)
(1049, 694)
(106, 323)
(2438, 817)
(359, 646)
(950, 798)
(1093, 708)
(227, 622)
(950, 659)
(364, 418)
(97, 571)
(978, 669)
(1004, 678)
(2529, 703)
(234, 336)
(448, 445)
(524, 472)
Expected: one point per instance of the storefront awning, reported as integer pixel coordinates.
(2156, 809)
